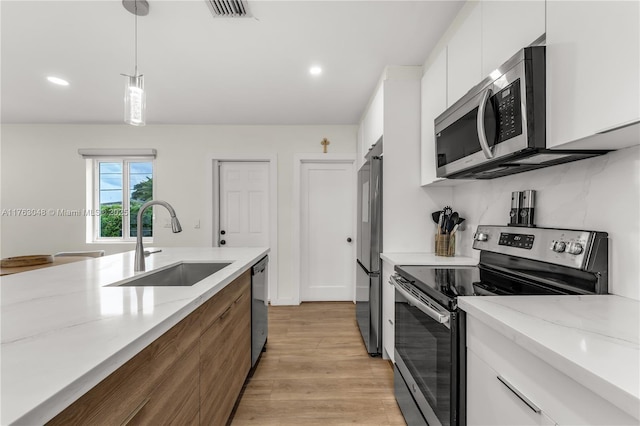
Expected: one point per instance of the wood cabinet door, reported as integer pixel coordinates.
(176, 400)
(225, 359)
(115, 399)
(173, 345)
(211, 310)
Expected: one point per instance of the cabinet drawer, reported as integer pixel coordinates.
(175, 401)
(558, 395)
(491, 402)
(211, 310)
(115, 398)
(172, 345)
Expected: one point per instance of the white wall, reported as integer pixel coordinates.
(599, 194)
(407, 206)
(41, 168)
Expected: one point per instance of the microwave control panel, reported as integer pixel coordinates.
(508, 111)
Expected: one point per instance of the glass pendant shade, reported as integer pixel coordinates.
(135, 101)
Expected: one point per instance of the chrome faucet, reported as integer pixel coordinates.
(139, 264)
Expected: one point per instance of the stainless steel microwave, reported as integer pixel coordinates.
(498, 127)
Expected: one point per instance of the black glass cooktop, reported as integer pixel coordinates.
(445, 284)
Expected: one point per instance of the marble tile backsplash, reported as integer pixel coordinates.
(600, 194)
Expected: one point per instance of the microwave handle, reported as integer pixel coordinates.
(482, 135)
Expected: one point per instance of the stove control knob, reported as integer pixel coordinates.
(559, 246)
(574, 248)
(479, 236)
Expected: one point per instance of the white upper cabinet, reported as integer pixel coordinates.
(373, 121)
(507, 27)
(434, 102)
(593, 74)
(360, 146)
(465, 55)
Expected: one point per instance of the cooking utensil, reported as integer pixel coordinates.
(459, 221)
(444, 217)
(436, 216)
(453, 220)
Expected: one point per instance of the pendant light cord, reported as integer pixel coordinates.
(135, 5)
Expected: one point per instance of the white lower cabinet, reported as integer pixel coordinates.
(388, 312)
(492, 400)
(508, 385)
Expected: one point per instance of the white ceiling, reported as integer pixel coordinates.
(204, 70)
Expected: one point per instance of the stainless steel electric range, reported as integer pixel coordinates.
(430, 384)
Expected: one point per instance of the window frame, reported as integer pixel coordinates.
(126, 203)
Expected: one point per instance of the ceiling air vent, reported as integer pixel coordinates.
(228, 8)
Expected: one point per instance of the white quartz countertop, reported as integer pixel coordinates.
(64, 329)
(592, 339)
(427, 259)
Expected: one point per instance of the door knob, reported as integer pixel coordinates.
(223, 232)
(349, 239)
(222, 242)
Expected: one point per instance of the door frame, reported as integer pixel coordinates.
(212, 208)
(298, 160)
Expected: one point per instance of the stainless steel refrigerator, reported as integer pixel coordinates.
(369, 238)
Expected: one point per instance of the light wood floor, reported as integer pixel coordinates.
(316, 371)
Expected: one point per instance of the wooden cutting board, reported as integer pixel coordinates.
(20, 261)
(56, 261)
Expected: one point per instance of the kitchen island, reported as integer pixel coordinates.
(64, 329)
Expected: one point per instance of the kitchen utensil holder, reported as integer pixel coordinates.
(445, 245)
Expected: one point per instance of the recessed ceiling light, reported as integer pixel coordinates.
(58, 81)
(315, 70)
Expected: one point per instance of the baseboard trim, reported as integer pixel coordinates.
(284, 302)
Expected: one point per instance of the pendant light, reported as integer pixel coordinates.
(135, 98)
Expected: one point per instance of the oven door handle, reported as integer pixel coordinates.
(428, 310)
(482, 134)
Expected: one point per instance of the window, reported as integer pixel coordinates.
(120, 187)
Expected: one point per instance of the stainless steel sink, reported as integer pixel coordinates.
(183, 274)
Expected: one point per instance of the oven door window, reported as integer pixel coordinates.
(425, 347)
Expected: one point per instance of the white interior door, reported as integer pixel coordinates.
(244, 204)
(327, 256)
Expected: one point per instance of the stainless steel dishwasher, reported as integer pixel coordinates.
(259, 307)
